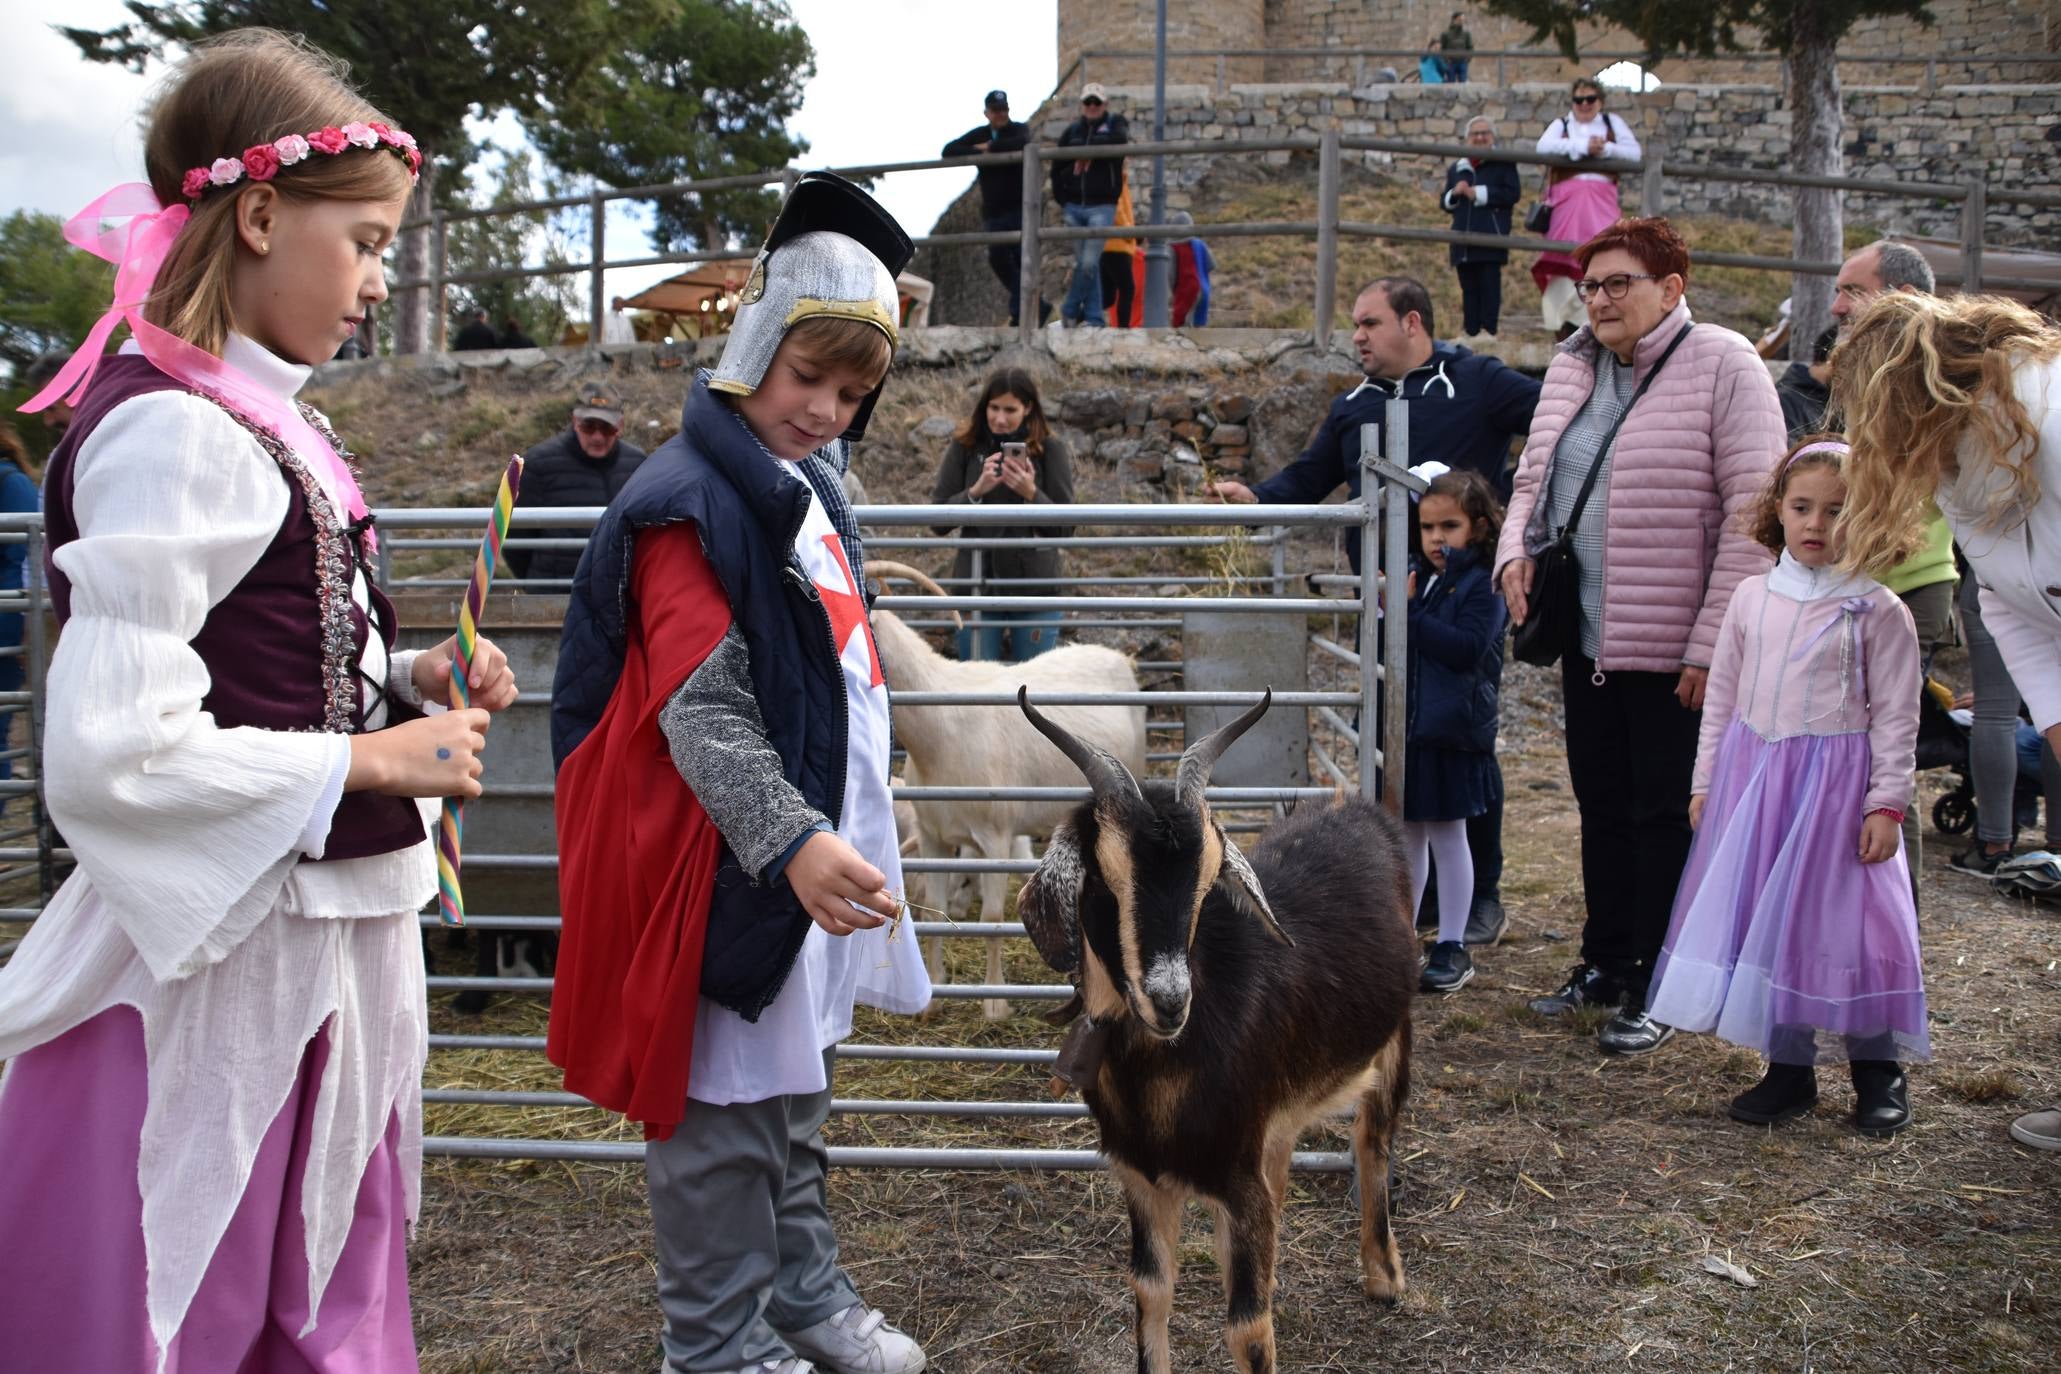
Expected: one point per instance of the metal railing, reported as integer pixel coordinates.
(1378, 690)
(1654, 171)
(1587, 64)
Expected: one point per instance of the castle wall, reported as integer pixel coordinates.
(1963, 29)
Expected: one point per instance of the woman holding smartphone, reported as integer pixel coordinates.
(1005, 454)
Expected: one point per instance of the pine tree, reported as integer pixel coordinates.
(707, 95)
(1807, 34)
(426, 65)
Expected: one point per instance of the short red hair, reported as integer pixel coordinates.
(1653, 242)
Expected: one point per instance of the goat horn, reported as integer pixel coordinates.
(1107, 776)
(1201, 756)
(882, 567)
(876, 567)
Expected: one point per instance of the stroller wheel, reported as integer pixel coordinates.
(1953, 814)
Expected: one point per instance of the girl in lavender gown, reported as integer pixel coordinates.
(1791, 934)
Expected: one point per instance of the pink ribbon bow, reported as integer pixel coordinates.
(131, 229)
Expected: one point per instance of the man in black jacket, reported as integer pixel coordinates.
(1087, 190)
(1480, 191)
(584, 465)
(1001, 191)
(477, 334)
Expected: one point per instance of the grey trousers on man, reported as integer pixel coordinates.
(745, 1249)
(1932, 608)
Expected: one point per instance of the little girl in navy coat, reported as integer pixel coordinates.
(1456, 661)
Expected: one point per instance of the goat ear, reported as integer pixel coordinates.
(1050, 902)
(1242, 886)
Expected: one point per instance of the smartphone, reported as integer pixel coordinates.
(1018, 449)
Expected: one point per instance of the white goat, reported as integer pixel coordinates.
(987, 746)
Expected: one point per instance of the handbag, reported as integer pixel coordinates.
(1538, 219)
(1553, 625)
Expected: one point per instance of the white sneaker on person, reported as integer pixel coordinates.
(792, 1364)
(859, 1340)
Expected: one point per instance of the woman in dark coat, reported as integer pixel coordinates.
(1006, 454)
(1481, 192)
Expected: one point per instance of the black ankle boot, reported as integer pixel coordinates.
(1784, 1091)
(1881, 1097)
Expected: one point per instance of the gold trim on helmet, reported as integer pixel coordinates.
(868, 311)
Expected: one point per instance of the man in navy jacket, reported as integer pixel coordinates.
(1465, 408)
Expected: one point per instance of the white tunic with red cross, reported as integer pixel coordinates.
(782, 1052)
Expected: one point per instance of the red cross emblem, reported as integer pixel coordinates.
(847, 609)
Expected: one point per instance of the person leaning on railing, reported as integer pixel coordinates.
(1087, 190)
(1580, 203)
(1006, 454)
(1657, 551)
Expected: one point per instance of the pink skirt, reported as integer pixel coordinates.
(72, 1265)
(1582, 208)
(1782, 940)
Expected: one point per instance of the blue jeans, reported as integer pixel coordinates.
(1030, 634)
(1084, 294)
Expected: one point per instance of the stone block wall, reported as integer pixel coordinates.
(2007, 136)
(1962, 29)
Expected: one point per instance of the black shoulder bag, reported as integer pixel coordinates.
(1553, 621)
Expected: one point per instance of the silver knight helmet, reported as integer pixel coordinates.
(833, 253)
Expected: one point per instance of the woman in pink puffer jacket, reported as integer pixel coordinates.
(1659, 552)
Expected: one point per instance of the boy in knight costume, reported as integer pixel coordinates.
(727, 841)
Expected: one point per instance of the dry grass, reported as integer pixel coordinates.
(1555, 1208)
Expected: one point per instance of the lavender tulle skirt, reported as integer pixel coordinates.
(1779, 931)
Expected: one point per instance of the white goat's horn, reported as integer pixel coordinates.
(1106, 774)
(879, 567)
(1200, 757)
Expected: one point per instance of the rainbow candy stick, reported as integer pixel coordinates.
(451, 828)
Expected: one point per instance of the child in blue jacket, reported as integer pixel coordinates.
(1456, 660)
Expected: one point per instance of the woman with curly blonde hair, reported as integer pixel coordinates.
(1959, 399)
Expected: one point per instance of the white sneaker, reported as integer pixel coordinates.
(859, 1340)
(792, 1364)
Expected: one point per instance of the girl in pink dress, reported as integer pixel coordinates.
(1789, 920)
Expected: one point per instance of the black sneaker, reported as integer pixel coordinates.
(1784, 1091)
(1448, 969)
(1881, 1097)
(1486, 922)
(1977, 860)
(1586, 986)
(1633, 1032)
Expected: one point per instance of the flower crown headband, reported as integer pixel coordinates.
(1822, 446)
(262, 161)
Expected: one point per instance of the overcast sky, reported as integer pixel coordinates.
(894, 80)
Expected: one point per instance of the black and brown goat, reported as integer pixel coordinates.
(1233, 1003)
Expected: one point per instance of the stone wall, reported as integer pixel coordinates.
(2006, 136)
(1087, 25)
(1962, 28)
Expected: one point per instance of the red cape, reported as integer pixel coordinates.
(637, 857)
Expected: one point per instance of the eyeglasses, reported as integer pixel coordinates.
(1588, 100)
(1613, 286)
(1092, 100)
(600, 428)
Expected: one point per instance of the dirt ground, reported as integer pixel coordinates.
(1557, 1210)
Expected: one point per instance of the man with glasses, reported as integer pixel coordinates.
(1087, 190)
(583, 465)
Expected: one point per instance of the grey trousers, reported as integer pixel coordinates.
(1993, 742)
(1932, 607)
(745, 1249)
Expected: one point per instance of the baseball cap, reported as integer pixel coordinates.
(598, 401)
(997, 100)
(1093, 91)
